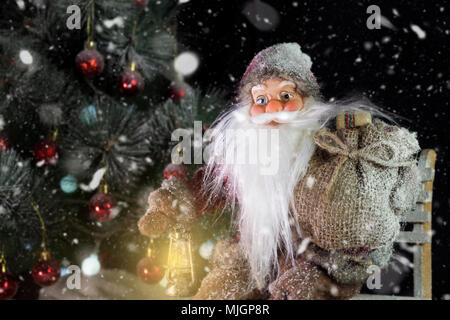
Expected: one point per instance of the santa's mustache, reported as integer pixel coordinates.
(280, 117)
(313, 116)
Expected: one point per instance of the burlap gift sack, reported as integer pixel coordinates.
(357, 185)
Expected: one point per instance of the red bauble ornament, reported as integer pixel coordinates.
(179, 90)
(103, 207)
(149, 271)
(4, 143)
(8, 285)
(177, 93)
(141, 3)
(178, 171)
(46, 152)
(131, 82)
(46, 271)
(90, 63)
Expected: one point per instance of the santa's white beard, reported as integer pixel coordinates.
(263, 189)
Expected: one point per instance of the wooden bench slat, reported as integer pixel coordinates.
(413, 237)
(421, 236)
(416, 216)
(424, 196)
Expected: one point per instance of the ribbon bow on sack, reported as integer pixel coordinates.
(371, 153)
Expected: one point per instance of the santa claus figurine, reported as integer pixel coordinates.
(317, 188)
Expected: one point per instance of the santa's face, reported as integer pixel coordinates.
(275, 95)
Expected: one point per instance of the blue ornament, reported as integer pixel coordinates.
(88, 115)
(69, 184)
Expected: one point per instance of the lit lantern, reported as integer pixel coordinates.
(180, 267)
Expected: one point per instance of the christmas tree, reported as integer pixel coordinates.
(89, 98)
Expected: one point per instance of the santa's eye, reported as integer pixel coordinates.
(261, 100)
(286, 96)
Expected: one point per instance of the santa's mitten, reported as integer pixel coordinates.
(306, 281)
(225, 283)
(229, 278)
(169, 206)
(228, 253)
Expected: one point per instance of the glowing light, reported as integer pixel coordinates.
(206, 249)
(186, 63)
(91, 265)
(26, 57)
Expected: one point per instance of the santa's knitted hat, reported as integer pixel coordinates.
(283, 60)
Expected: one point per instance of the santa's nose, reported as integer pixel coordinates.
(274, 106)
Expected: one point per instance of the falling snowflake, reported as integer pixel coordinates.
(419, 31)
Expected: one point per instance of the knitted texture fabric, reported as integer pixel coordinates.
(306, 281)
(346, 269)
(229, 278)
(285, 61)
(349, 196)
(169, 206)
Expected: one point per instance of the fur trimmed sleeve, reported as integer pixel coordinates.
(203, 202)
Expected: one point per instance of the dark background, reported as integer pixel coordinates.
(391, 66)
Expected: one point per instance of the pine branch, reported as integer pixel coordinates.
(117, 138)
(19, 225)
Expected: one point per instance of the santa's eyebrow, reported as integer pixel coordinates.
(287, 83)
(258, 87)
